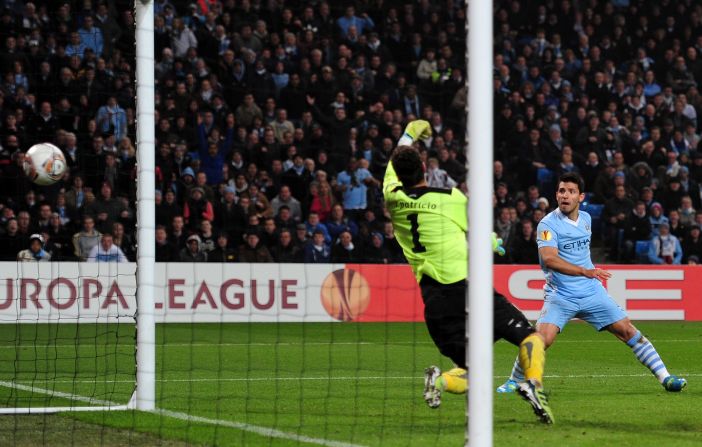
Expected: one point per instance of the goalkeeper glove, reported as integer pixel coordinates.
(497, 245)
(418, 130)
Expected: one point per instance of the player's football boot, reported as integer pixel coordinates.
(537, 399)
(432, 389)
(674, 383)
(510, 386)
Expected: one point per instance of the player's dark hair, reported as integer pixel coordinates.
(408, 166)
(572, 177)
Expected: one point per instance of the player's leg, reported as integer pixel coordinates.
(445, 317)
(513, 326)
(603, 313)
(554, 316)
(646, 353)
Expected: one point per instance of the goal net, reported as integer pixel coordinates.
(222, 265)
(67, 338)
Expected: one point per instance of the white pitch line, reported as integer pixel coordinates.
(257, 429)
(341, 378)
(263, 431)
(70, 396)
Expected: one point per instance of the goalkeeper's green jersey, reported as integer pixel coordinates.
(430, 225)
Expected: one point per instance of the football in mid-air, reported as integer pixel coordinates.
(44, 164)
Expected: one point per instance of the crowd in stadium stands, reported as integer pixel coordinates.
(275, 121)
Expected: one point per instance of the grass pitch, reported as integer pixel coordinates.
(335, 385)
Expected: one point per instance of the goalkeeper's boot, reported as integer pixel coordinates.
(537, 399)
(674, 384)
(510, 386)
(432, 389)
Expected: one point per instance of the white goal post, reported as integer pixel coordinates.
(144, 397)
(480, 154)
(146, 206)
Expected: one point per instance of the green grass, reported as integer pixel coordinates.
(353, 383)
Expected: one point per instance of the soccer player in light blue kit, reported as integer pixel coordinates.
(574, 286)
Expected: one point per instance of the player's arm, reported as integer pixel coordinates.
(416, 130)
(390, 181)
(551, 260)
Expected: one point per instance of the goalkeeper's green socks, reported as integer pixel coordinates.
(532, 357)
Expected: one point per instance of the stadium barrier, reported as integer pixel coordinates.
(80, 292)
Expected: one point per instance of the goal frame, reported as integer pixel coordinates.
(144, 396)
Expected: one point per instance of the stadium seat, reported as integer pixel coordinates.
(545, 179)
(595, 211)
(641, 251)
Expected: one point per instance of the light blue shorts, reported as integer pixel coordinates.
(599, 310)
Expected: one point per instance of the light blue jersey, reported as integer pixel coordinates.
(568, 296)
(572, 239)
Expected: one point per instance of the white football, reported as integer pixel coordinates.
(44, 164)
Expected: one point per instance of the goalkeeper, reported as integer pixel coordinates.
(430, 225)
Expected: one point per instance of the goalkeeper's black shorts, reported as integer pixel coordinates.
(445, 316)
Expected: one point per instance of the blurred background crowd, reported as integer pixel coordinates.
(275, 121)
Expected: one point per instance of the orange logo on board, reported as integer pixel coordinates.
(345, 294)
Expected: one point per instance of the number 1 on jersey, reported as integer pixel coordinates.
(414, 228)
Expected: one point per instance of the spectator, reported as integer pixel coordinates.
(637, 227)
(252, 250)
(300, 238)
(197, 208)
(692, 244)
(316, 250)
(313, 225)
(238, 69)
(350, 21)
(392, 245)
(269, 235)
(108, 204)
(60, 237)
(222, 252)
(166, 208)
(91, 36)
(677, 228)
(165, 251)
(112, 118)
(505, 229)
(106, 251)
(286, 250)
(248, 111)
(375, 252)
(338, 222)
(614, 214)
(284, 219)
(353, 184)
(182, 38)
(285, 197)
(319, 200)
(656, 218)
(178, 236)
(523, 249)
(193, 250)
(437, 177)
(123, 241)
(85, 240)
(345, 251)
(11, 241)
(687, 212)
(36, 251)
(665, 248)
(208, 238)
(258, 202)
